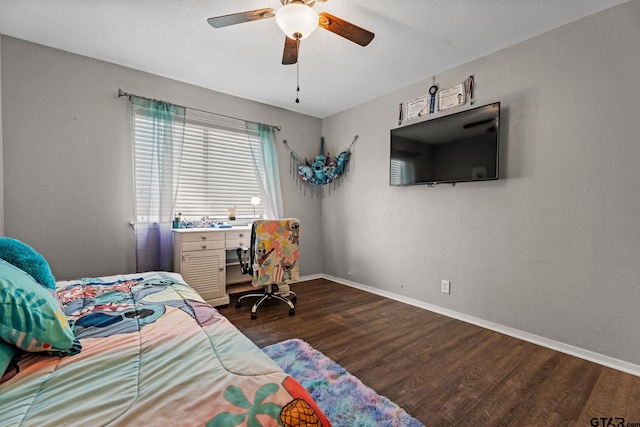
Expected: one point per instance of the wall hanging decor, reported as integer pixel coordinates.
(471, 86)
(437, 100)
(321, 170)
(421, 106)
(452, 96)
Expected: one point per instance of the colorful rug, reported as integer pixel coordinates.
(344, 399)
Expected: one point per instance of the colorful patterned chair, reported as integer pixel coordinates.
(274, 260)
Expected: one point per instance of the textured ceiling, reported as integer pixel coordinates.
(414, 39)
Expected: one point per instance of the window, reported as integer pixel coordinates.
(213, 169)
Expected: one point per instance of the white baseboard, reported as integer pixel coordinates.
(313, 277)
(591, 356)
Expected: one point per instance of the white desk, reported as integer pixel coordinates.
(200, 256)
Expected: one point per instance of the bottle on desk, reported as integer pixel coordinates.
(177, 221)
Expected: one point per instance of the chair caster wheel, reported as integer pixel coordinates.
(253, 316)
(237, 304)
(294, 299)
(291, 312)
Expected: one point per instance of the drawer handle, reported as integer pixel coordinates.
(203, 237)
(204, 246)
(241, 234)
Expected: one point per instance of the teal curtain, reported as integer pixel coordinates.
(158, 142)
(266, 163)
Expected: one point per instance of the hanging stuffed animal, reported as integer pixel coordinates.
(342, 160)
(322, 169)
(318, 175)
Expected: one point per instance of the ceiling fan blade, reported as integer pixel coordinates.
(345, 29)
(290, 54)
(239, 18)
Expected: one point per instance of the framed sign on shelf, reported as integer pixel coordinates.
(418, 107)
(453, 96)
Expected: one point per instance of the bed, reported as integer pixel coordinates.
(152, 353)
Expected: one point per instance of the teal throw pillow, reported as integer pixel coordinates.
(6, 353)
(30, 317)
(27, 259)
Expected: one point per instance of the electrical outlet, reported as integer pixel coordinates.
(445, 287)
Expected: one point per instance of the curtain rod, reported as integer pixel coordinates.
(122, 93)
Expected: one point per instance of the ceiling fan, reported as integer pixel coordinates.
(297, 19)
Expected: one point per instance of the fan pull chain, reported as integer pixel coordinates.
(298, 72)
(298, 82)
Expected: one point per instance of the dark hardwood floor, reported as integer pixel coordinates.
(442, 371)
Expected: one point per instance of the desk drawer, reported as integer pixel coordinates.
(203, 236)
(202, 245)
(238, 235)
(232, 244)
(237, 239)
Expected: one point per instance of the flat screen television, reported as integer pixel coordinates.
(460, 147)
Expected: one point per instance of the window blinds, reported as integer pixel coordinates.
(213, 168)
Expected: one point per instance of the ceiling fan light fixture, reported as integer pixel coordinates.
(297, 20)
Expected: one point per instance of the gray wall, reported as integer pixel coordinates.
(551, 249)
(67, 156)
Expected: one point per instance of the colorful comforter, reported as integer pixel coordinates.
(153, 353)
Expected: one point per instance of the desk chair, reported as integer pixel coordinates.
(273, 260)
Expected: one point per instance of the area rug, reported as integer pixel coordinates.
(344, 399)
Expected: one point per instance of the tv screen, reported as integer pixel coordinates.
(460, 147)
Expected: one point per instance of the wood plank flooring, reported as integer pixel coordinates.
(442, 371)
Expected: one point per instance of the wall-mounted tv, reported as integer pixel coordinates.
(459, 147)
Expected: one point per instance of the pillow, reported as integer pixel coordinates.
(27, 259)
(6, 354)
(30, 317)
